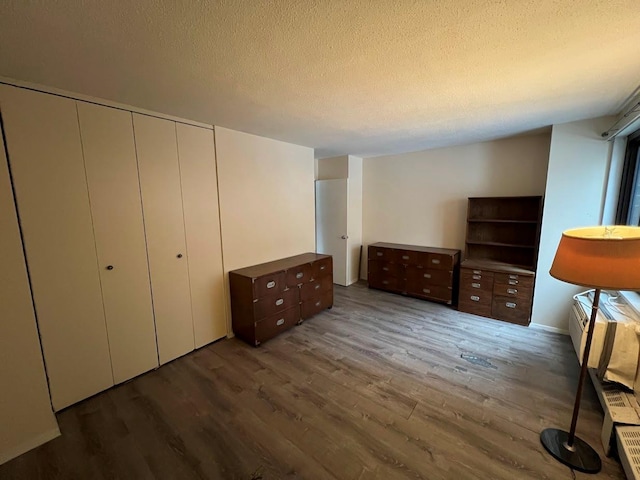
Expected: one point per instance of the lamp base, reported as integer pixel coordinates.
(580, 456)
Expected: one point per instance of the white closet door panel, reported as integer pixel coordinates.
(25, 409)
(45, 155)
(112, 176)
(159, 169)
(202, 225)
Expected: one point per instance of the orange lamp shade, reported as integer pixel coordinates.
(605, 257)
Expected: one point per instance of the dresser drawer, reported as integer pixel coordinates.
(484, 285)
(439, 261)
(322, 267)
(513, 291)
(475, 297)
(475, 301)
(385, 268)
(380, 253)
(275, 324)
(405, 257)
(276, 303)
(429, 275)
(269, 284)
(315, 287)
(299, 274)
(524, 281)
(386, 282)
(511, 309)
(426, 290)
(469, 275)
(311, 307)
(474, 307)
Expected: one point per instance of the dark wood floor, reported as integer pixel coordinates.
(376, 388)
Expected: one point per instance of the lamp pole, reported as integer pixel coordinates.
(585, 366)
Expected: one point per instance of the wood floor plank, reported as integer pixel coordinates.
(379, 387)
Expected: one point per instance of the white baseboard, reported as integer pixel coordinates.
(547, 328)
(28, 445)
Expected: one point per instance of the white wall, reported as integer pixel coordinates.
(332, 168)
(421, 198)
(579, 162)
(267, 200)
(26, 417)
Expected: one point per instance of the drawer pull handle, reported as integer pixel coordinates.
(427, 275)
(436, 261)
(514, 277)
(318, 303)
(513, 282)
(280, 301)
(510, 305)
(379, 254)
(426, 290)
(477, 271)
(299, 275)
(271, 284)
(475, 298)
(322, 267)
(385, 282)
(280, 322)
(475, 285)
(386, 269)
(405, 257)
(477, 277)
(317, 287)
(512, 291)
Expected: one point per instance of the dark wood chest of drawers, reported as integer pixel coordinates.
(423, 272)
(270, 298)
(494, 290)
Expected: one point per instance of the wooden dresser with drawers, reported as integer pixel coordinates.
(272, 297)
(494, 290)
(422, 272)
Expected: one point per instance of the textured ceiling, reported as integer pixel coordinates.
(364, 77)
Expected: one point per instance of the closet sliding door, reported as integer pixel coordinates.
(112, 175)
(202, 224)
(45, 157)
(157, 150)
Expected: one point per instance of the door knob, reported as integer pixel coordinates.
(109, 267)
(179, 255)
(344, 237)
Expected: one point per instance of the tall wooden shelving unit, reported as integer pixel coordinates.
(501, 251)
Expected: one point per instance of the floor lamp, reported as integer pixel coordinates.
(600, 258)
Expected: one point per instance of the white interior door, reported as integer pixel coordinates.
(202, 226)
(157, 148)
(45, 157)
(331, 224)
(112, 175)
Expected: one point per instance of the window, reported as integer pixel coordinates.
(628, 212)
